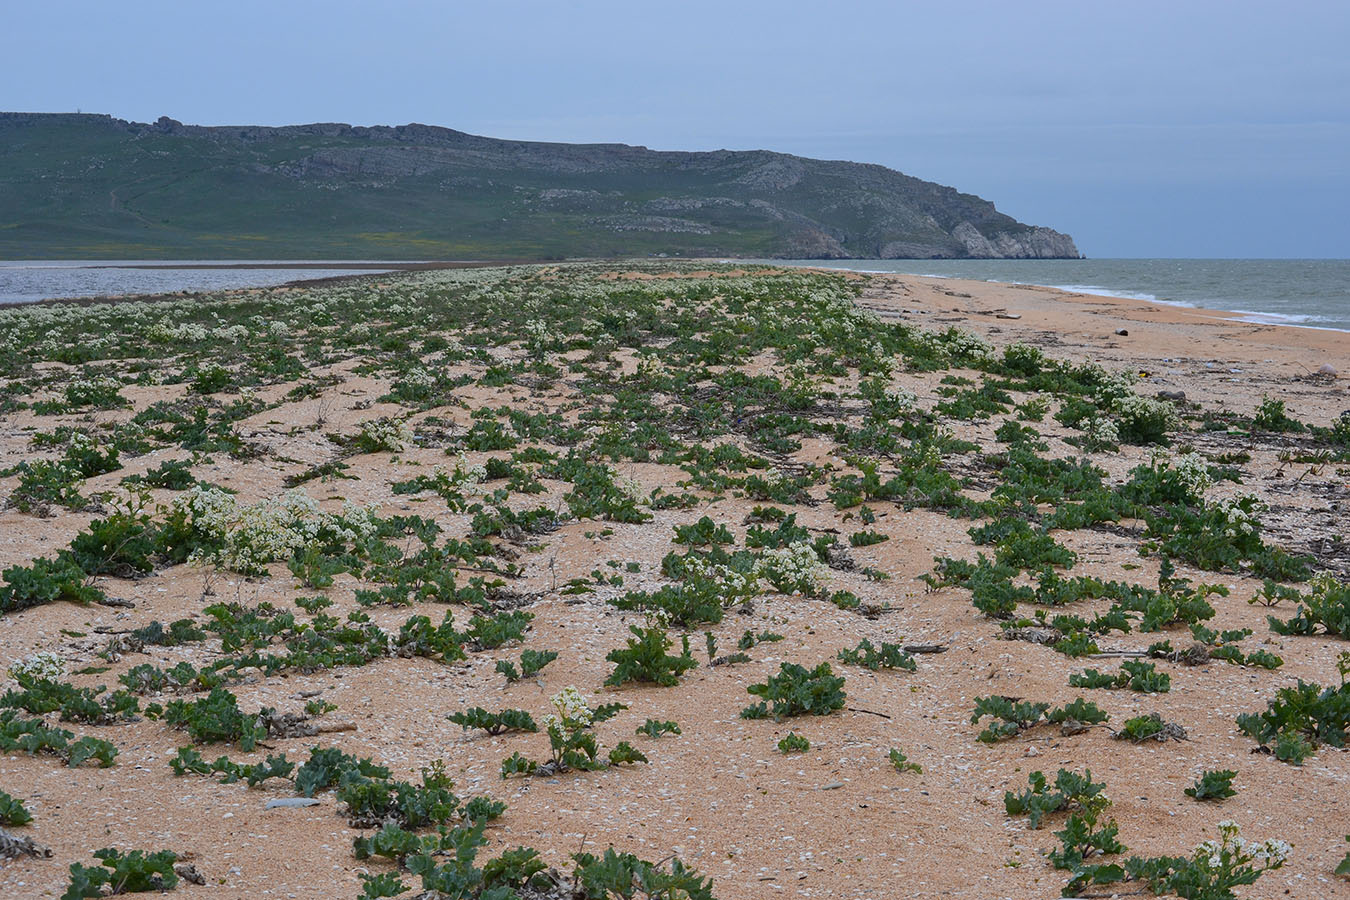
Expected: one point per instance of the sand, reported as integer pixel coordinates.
(837, 821)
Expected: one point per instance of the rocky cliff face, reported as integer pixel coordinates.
(421, 191)
(1034, 243)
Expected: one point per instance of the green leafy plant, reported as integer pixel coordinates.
(122, 873)
(1209, 873)
(797, 691)
(901, 762)
(887, 656)
(12, 811)
(645, 659)
(1299, 719)
(1216, 784)
(793, 743)
(1137, 676)
(619, 876)
(1011, 716)
(1069, 791)
(653, 728)
(1324, 608)
(1151, 727)
(495, 723)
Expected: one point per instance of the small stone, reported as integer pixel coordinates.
(832, 786)
(1327, 369)
(1122, 332)
(288, 802)
(1172, 395)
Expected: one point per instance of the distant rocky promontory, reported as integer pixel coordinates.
(82, 185)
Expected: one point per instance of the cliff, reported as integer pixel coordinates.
(93, 185)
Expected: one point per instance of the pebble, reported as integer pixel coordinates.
(832, 786)
(287, 802)
(1327, 369)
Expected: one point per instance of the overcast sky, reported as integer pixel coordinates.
(1216, 128)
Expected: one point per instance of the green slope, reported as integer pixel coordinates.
(94, 186)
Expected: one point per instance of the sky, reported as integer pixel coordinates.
(1190, 128)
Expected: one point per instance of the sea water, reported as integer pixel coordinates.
(1307, 292)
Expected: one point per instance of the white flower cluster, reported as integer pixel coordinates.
(906, 400)
(270, 530)
(235, 333)
(1232, 850)
(1101, 431)
(187, 332)
(98, 385)
(731, 586)
(629, 487)
(536, 330)
(1112, 387)
(386, 434)
(652, 367)
(273, 529)
(272, 327)
(356, 523)
(795, 567)
(1133, 408)
(44, 665)
(572, 713)
(1193, 471)
(465, 477)
(1325, 587)
(1238, 521)
(418, 379)
(955, 343)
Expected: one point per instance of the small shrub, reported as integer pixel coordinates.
(1271, 416)
(793, 743)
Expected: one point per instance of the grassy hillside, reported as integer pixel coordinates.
(94, 186)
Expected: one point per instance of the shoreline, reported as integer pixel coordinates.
(1236, 314)
(1125, 309)
(363, 269)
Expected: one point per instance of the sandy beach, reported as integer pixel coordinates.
(836, 821)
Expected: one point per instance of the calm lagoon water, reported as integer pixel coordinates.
(27, 281)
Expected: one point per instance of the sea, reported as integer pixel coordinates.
(1309, 293)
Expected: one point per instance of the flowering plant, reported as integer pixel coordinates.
(794, 569)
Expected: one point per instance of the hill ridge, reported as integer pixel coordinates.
(89, 184)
